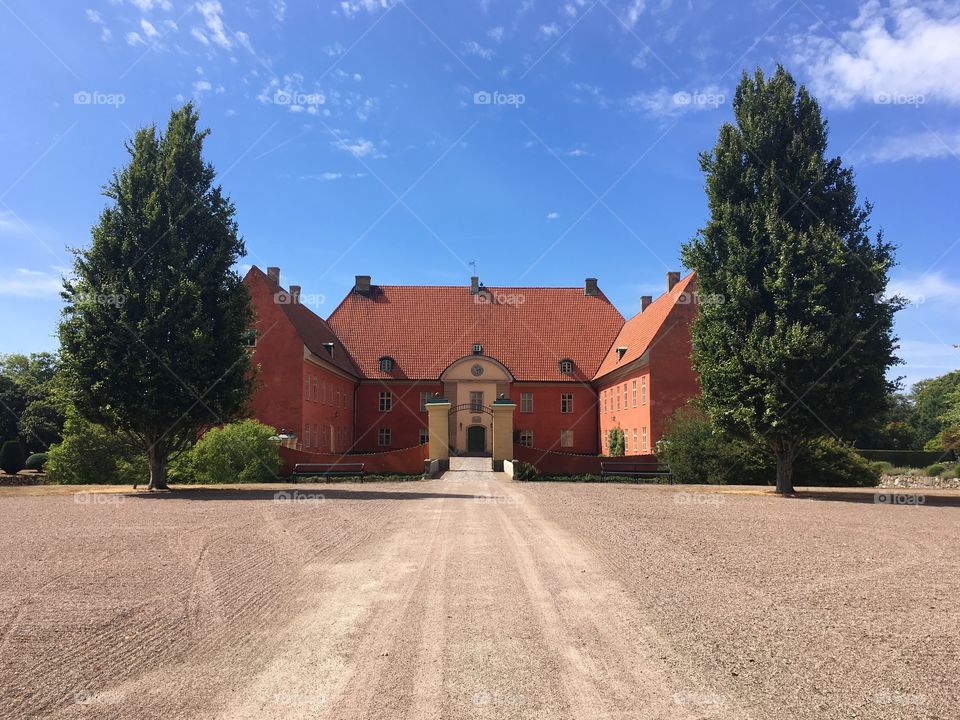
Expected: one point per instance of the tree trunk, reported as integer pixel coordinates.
(786, 452)
(158, 468)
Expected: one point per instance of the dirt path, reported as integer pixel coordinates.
(465, 597)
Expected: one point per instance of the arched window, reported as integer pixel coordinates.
(386, 364)
(566, 366)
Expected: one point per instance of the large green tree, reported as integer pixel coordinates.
(800, 344)
(153, 328)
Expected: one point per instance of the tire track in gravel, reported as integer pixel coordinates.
(613, 654)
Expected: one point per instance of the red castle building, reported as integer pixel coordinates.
(359, 381)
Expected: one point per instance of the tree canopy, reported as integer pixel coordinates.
(800, 344)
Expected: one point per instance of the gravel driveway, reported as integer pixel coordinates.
(476, 597)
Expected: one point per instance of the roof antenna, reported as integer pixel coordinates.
(473, 264)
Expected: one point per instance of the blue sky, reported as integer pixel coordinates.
(545, 141)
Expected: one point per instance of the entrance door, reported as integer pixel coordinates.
(476, 439)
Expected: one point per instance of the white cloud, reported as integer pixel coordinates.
(351, 8)
(926, 288)
(147, 5)
(495, 34)
(148, 29)
(472, 47)
(331, 176)
(358, 148)
(632, 12)
(201, 86)
(552, 215)
(94, 17)
(917, 146)
(889, 51)
(578, 152)
(664, 103)
(279, 10)
(199, 35)
(30, 283)
(211, 10)
(134, 38)
(550, 30)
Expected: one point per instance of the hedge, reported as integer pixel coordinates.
(909, 458)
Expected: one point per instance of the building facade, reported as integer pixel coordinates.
(359, 381)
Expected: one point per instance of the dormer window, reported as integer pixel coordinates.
(621, 351)
(477, 349)
(566, 366)
(386, 364)
(249, 338)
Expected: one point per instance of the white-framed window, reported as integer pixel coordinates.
(476, 402)
(634, 439)
(566, 366)
(643, 390)
(383, 437)
(424, 435)
(625, 404)
(633, 393)
(643, 438)
(316, 389)
(323, 440)
(424, 399)
(616, 391)
(386, 401)
(306, 435)
(526, 402)
(526, 438)
(316, 435)
(306, 388)
(566, 403)
(323, 393)
(386, 364)
(566, 438)
(249, 338)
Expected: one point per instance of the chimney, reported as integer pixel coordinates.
(590, 287)
(274, 274)
(295, 294)
(362, 285)
(474, 285)
(645, 301)
(672, 279)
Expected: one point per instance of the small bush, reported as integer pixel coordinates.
(829, 462)
(524, 471)
(36, 462)
(241, 452)
(12, 457)
(936, 469)
(615, 442)
(882, 467)
(90, 453)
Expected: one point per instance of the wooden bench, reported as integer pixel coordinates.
(639, 470)
(302, 470)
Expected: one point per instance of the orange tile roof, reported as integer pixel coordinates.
(426, 328)
(640, 330)
(311, 328)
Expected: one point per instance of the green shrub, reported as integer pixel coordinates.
(90, 453)
(11, 457)
(882, 467)
(829, 462)
(615, 442)
(241, 452)
(36, 462)
(936, 469)
(524, 471)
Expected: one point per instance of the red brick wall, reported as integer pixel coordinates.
(277, 400)
(674, 380)
(404, 420)
(546, 421)
(405, 460)
(328, 409)
(555, 463)
(627, 417)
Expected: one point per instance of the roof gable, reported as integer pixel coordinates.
(639, 332)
